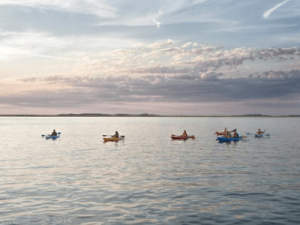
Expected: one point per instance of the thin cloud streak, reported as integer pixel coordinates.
(45, 56)
(99, 8)
(155, 19)
(268, 13)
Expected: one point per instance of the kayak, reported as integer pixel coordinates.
(113, 139)
(51, 136)
(220, 133)
(180, 137)
(225, 139)
(258, 135)
(48, 136)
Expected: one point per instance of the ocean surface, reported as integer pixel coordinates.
(148, 178)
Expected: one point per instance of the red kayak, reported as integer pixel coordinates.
(179, 137)
(220, 133)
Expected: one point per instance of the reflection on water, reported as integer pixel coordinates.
(148, 178)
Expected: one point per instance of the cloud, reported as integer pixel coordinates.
(162, 44)
(186, 44)
(164, 71)
(155, 19)
(203, 88)
(46, 45)
(98, 8)
(268, 13)
(171, 57)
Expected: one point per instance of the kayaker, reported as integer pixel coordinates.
(235, 134)
(226, 133)
(116, 135)
(184, 134)
(54, 133)
(260, 132)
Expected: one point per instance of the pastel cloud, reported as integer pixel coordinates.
(170, 57)
(207, 88)
(162, 72)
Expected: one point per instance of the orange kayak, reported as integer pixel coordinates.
(113, 138)
(180, 137)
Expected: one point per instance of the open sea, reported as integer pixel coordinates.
(148, 178)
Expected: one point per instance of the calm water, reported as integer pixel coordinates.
(148, 178)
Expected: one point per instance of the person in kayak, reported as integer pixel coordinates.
(54, 133)
(225, 130)
(227, 133)
(260, 132)
(184, 134)
(235, 134)
(116, 135)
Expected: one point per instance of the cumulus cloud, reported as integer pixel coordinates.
(202, 88)
(161, 44)
(165, 71)
(171, 57)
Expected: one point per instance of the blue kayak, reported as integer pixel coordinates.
(53, 137)
(258, 135)
(225, 139)
(48, 136)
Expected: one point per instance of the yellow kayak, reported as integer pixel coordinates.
(113, 139)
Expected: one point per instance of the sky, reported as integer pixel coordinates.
(179, 57)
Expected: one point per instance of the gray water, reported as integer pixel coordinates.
(148, 178)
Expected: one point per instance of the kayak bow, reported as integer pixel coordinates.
(220, 133)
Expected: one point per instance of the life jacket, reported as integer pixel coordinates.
(184, 135)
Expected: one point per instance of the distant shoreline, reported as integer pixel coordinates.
(138, 115)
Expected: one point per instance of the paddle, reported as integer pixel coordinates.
(266, 134)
